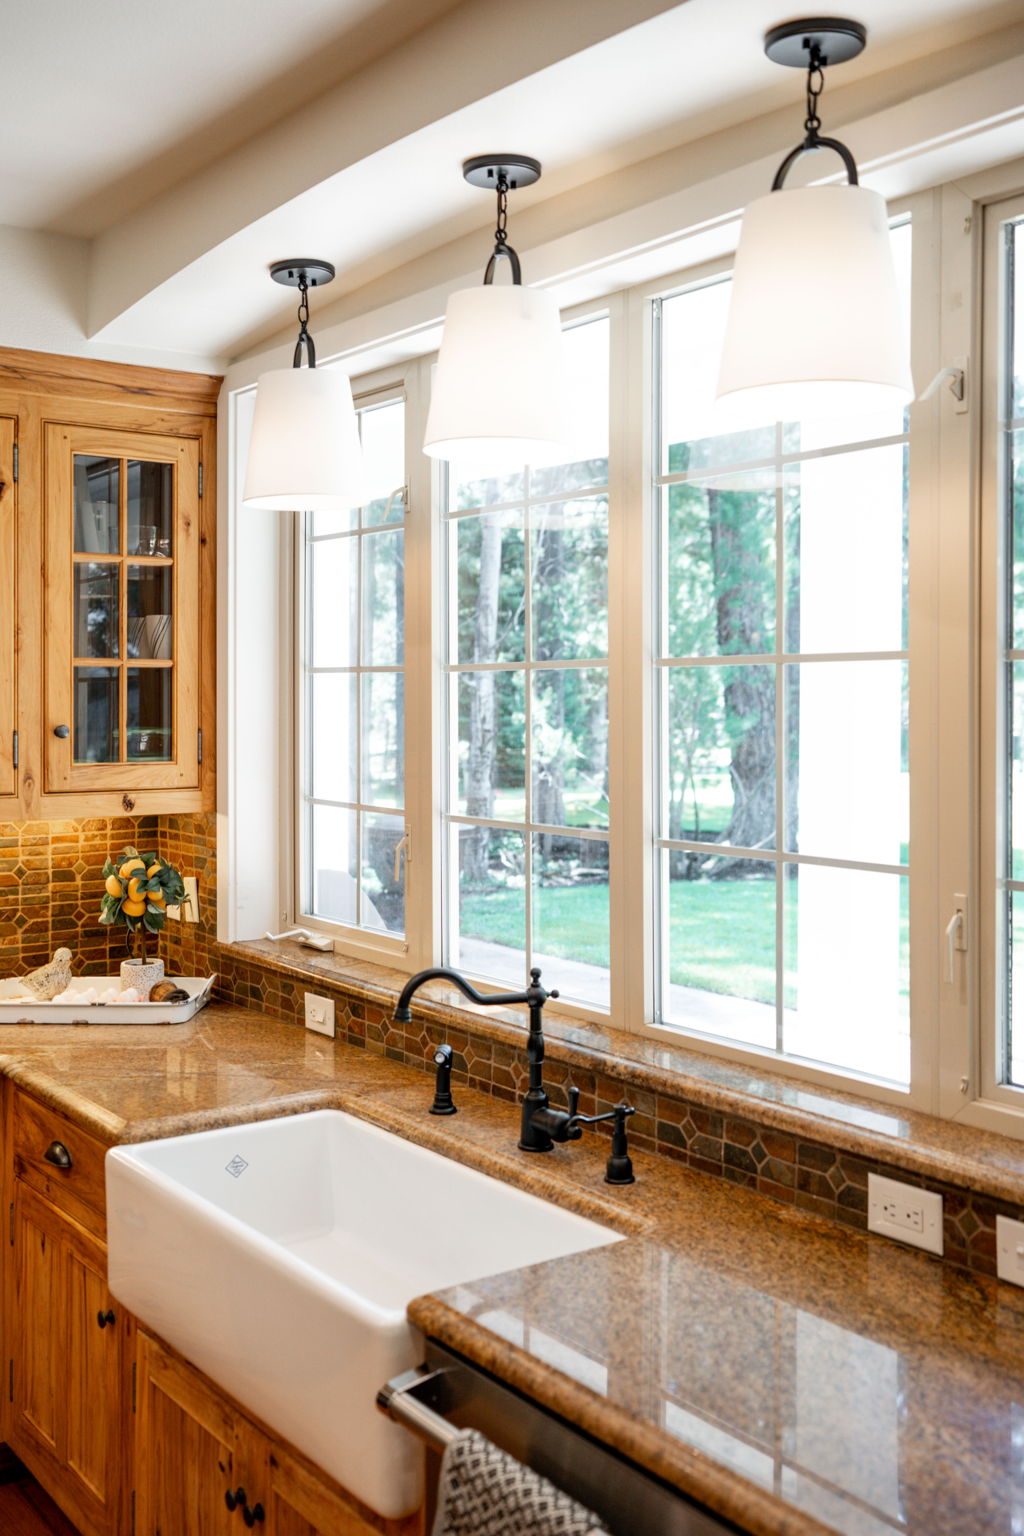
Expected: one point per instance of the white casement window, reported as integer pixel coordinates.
(352, 706)
(782, 713)
(1003, 658)
(526, 806)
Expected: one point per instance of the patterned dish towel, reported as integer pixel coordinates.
(484, 1492)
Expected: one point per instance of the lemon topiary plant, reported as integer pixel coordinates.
(138, 889)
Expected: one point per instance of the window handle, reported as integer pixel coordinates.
(403, 846)
(956, 937)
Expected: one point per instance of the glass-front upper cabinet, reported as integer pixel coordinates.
(8, 622)
(122, 621)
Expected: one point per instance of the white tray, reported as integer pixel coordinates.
(198, 988)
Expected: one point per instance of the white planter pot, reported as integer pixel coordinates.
(143, 977)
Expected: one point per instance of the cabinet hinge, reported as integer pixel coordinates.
(133, 1513)
(199, 744)
(15, 470)
(200, 480)
(135, 1383)
(10, 1381)
(10, 1224)
(14, 748)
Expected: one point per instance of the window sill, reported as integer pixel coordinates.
(966, 1157)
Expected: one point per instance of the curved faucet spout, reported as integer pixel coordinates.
(535, 995)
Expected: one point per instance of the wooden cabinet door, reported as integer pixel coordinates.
(298, 1503)
(68, 1369)
(8, 620)
(122, 560)
(185, 1462)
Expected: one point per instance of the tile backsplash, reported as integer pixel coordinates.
(51, 881)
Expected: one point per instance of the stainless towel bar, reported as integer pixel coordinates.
(402, 1400)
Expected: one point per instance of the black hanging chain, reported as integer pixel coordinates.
(305, 341)
(812, 125)
(502, 249)
(501, 232)
(815, 86)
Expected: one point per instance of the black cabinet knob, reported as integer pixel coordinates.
(251, 1516)
(103, 1318)
(62, 731)
(233, 1500)
(58, 1154)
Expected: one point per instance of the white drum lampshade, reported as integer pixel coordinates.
(498, 398)
(815, 325)
(304, 453)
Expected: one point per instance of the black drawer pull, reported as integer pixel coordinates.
(103, 1318)
(233, 1500)
(63, 731)
(250, 1516)
(58, 1154)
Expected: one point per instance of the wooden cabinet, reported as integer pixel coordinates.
(203, 1467)
(68, 1341)
(107, 642)
(122, 590)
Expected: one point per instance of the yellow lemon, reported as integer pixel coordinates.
(112, 885)
(154, 869)
(128, 867)
(134, 894)
(156, 898)
(133, 908)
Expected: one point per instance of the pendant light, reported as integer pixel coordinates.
(498, 399)
(304, 452)
(815, 325)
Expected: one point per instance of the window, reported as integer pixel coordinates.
(353, 694)
(782, 716)
(688, 721)
(1005, 674)
(527, 664)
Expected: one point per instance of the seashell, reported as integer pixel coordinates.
(168, 992)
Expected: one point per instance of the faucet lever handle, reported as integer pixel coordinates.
(574, 1099)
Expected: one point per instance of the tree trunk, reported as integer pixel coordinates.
(483, 725)
(749, 694)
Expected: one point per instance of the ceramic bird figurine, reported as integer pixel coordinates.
(46, 981)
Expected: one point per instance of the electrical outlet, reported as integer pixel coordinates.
(903, 1211)
(319, 1014)
(1010, 1250)
(189, 909)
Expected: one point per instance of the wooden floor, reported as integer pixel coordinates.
(25, 1510)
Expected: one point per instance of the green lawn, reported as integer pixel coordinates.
(725, 928)
(722, 932)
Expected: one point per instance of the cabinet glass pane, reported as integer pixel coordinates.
(149, 714)
(97, 489)
(96, 609)
(96, 737)
(150, 508)
(150, 620)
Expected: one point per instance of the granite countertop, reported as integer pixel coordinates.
(795, 1377)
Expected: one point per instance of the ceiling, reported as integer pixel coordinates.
(174, 151)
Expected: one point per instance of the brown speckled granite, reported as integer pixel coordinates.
(793, 1375)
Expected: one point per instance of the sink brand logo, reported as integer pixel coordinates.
(236, 1167)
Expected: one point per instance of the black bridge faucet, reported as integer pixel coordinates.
(541, 1126)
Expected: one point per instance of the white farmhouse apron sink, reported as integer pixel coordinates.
(279, 1258)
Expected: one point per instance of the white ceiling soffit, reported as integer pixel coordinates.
(368, 176)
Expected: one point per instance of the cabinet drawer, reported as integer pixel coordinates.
(79, 1189)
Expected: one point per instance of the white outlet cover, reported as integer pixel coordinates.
(1010, 1250)
(319, 1013)
(905, 1212)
